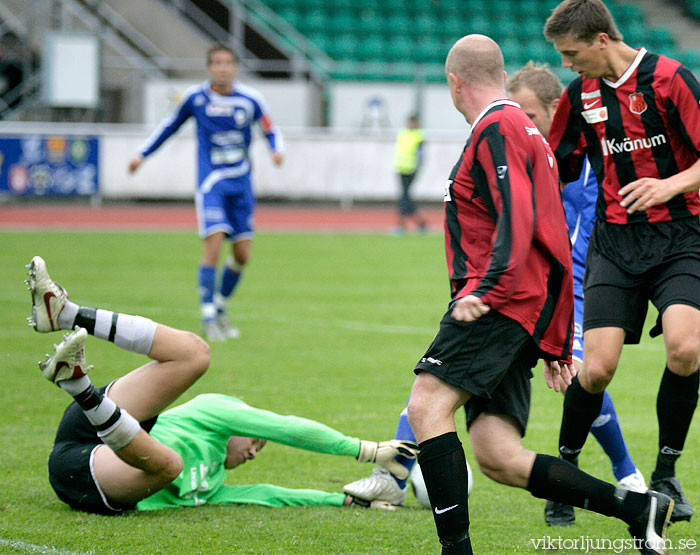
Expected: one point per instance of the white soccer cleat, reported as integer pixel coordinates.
(212, 331)
(68, 359)
(48, 297)
(634, 482)
(378, 486)
(227, 328)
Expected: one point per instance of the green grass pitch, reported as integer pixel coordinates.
(332, 325)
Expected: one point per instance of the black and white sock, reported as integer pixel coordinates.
(133, 333)
(115, 427)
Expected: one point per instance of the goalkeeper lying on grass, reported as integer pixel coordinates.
(115, 451)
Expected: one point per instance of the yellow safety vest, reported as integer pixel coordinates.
(406, 158)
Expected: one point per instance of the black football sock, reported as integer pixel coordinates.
(675, 405)
(580, 410)
(444, 469)
(560, 481)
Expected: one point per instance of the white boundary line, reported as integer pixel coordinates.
(43, 549)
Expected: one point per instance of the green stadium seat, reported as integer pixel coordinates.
(306, 5)
(473, 8)
(528, 8)
(372, 48)
(342, 21)
(365, 4)
(694, 10)
(399, 49)
(512, 52)
(527, 31)
(689, 58)
(399, 24)
(635, 34)
(427, 50)
(336, 5)
(669, 51)
(343, 47)
(449, 8)
(322, 40)
(626, 13)
(541, 52)
(454, 28)
(277, 5)
(501, 8)
(478, 24)
(291, 16)
(425, 24)
(660, 38)
(371, 21)
(415, 7)
(313, 21)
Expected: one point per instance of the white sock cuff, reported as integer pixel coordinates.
(66, 318)
(75, 386)
(208, 311)
(234, 266)
(135, 333)
(120, 434)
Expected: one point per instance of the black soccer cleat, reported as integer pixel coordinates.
(682, 509)
(558, 514)
(649, 530)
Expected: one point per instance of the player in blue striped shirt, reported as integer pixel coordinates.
(225, 111)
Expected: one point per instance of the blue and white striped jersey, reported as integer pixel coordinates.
(224, 129)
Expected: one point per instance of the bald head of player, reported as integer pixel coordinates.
(475, 74)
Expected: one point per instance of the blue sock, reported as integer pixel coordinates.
(405, 433)
(207, 281)
(229, 280)
(606, 429)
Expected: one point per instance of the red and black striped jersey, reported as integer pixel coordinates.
(505, 232)
(646, 124)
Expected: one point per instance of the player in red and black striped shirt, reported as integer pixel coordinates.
(637, 117)
(509, 259)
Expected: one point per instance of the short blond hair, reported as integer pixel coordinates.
(539, 79)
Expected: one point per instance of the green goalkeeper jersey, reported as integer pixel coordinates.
(199, 431)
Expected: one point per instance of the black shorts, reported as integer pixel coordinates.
(630, 265)
(70, 463)
(492, 358)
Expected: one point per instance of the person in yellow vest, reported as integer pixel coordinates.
(408, 158)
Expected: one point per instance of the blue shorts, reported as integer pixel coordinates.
(227, 207)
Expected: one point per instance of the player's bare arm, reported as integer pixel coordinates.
(642, 194)
(469, 309)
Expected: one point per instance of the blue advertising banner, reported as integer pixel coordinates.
(48, 165)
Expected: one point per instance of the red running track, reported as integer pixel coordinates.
(157, 216)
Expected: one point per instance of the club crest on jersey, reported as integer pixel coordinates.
(501, 171)
(637, 103)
